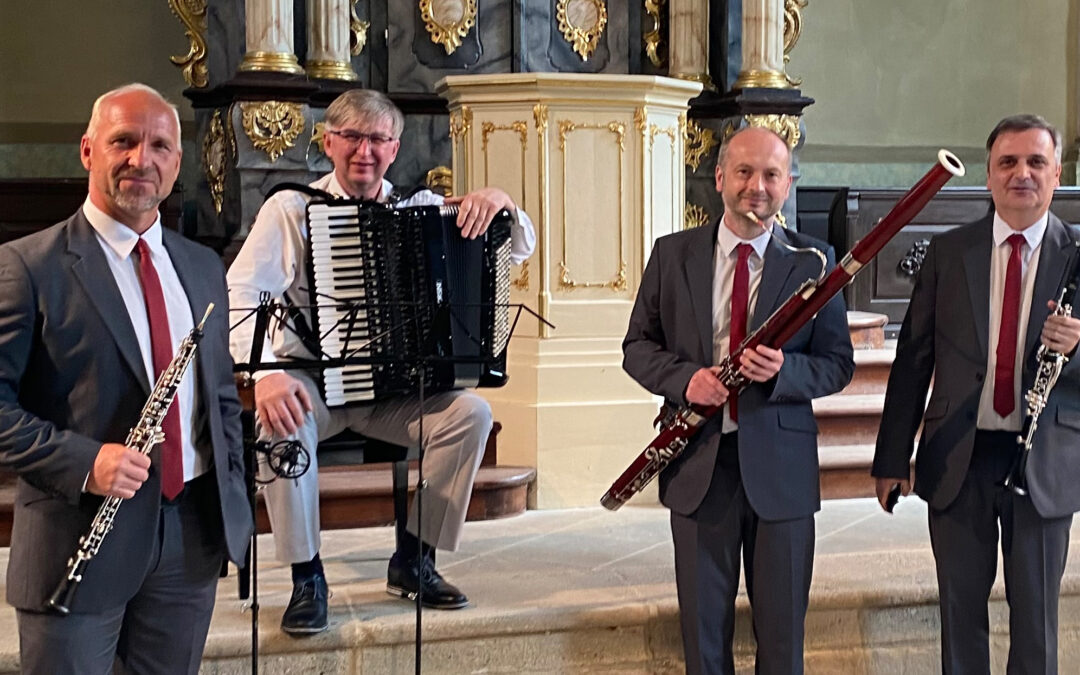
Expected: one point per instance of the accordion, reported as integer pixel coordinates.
(402, 295)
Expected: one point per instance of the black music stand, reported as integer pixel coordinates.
(443, 315)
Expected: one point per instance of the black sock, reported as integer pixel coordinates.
(306, 570)
(408, 547)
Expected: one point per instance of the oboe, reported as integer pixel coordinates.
(1050, 364)
(142, 437)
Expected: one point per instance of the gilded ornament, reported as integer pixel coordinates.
(540, 117)
(654, 131)
(461, 123)
(318, 137)
(654, 46)
(488, 128)
(192, 13)
(699, 143)
(522, 281)
(357, 31)
(582, 23)
(448, 21)
(792, 31)
(694, 216)
(215, 159)
(272, 126)
(785, 126)
(641, 120)
(440, 180)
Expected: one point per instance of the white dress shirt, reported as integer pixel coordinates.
(988, 418)
(118, 242)
(724, 258)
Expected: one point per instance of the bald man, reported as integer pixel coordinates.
(90, 311)
(747, 484)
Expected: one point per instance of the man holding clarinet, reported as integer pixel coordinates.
(983, 303)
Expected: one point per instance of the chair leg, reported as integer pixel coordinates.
(401, 499)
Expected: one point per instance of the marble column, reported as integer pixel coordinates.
(762, 45)
(269, 31)
(688, 38)
(328, 40)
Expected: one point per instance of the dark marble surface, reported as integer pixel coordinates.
(225, 40)
(425, 145)
(541, 47)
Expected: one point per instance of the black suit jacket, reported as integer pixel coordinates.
(670, 337)
(945, 336)
(71, 378)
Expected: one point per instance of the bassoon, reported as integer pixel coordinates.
(677, 429)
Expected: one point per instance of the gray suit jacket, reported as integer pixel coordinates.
(945, 336)
(71, 378)
(670, 337)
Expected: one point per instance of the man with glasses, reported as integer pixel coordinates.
(362, 137)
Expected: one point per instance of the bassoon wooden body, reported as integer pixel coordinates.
(677, 430)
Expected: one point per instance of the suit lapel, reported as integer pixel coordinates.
(779, 264)
(1057, 248)
(92, 271)
(977, 271)
(699, 268)
(197, 291)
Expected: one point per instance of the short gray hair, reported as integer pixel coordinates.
(95, 112)
(1023, 122)
(364, 106)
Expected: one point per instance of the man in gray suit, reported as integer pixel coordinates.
(980, 308)
(88, 308)
(749, 479)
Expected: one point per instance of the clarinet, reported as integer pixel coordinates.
(798, 310)
(1050, 364)
(142, 437)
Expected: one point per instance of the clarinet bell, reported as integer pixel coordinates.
(1016, 481)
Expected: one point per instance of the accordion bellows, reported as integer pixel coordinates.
(403, 295)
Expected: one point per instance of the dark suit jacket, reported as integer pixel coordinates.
(945, 336)
(670, 338)
(71, 378)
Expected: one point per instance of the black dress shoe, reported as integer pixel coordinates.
(403, 581)
(306, 613)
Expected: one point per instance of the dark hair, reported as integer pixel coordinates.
(1023, 122)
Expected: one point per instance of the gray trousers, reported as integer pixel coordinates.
(160, 630)
(456, 428)
(964, 537)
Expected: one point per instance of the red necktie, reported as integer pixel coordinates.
(740, 298)
(172, 460)
(1004, 391)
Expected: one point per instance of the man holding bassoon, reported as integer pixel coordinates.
(747, 483)
(983, 303)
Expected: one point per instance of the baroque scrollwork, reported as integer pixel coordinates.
(654, 46)
(699, 143)
(215, 159)
(461, 123)
(358, 31)
(318, 136)
(448, 21)
(192, 13)
(582, 23)
(522, 281)
(785, 126)
(694, 216)
(792, 31)
(440, 180)
(272, 126)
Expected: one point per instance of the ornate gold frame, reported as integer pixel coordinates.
(583, 40)
(357, 31)
(653, 43)
(785, 126)
(192, 13)
(272, 126)
(792, 32)
(448, 36)
(487, 129)
(216, 147)
(694, 216)
(699, 143)
(618, 282)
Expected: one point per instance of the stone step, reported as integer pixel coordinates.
(848, 419)
(871, 371)
(845, 471)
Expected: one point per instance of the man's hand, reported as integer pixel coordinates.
(1060, 333)
(705, 388)
(281, 402)
(478, 208)
(761, 363)
(118, 471)
(883, 485)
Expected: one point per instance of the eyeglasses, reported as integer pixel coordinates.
(354, 138)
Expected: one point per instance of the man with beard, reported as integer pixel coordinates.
(981, 307)
(748, 482)
(91, 312)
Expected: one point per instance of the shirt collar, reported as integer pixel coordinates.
(119, 237)
(1033, 234)
(334, 188)
(728, 240)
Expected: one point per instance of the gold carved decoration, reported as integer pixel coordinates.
(540, 116)
(522, 281)
(653, 44)
(641, 120)
(215, 159)
(785, 126)
(792, 31)
(522, 129)
(272, 126)
(618, 282)
(192, 13)
(582, 23)
(654, 131)
(318, 137)
(447, 21)
(461, 123)
(440, 180)
(699, 143)
(357, 31)
(694, 216)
